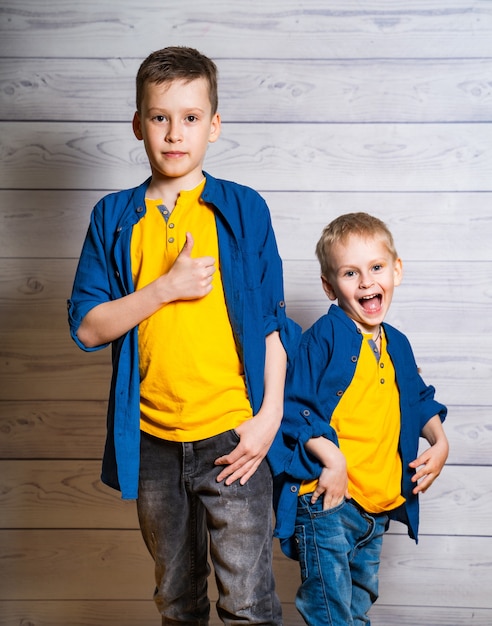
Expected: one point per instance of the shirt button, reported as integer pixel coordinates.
(281, 304)
(354, 359)
(140, 209)
(382, 381)
(293, 489)
(381, 365)
(306, 412)
(339, 393)
(171, 225)
(171, 240)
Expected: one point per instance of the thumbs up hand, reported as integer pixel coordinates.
(190, 278)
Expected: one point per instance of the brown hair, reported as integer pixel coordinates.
(177, 63)
(342, 227)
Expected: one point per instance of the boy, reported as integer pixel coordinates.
(345, 459)
(182, 276)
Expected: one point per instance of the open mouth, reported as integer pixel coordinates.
(371, 304)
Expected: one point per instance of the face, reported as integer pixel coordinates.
(176, 124)
(362, 278)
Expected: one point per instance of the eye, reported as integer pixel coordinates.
(378, 267)
(349, 273)
(159, 118)
(191, 118)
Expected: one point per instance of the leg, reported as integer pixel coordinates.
(239, 520)
(324, 597)
(173, 526)
(364, 565)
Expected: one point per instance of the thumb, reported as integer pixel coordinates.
(188, 245)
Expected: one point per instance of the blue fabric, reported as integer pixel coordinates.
(252, 276)
(316, 380)
(339, 555)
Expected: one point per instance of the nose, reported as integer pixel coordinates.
(366, 282)
(173, 133)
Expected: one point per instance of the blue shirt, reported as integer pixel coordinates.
(320, 373)
(251, 272)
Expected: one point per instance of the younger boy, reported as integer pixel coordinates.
(346, 457)
(182, 276)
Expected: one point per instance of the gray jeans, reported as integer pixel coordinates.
(181, 505)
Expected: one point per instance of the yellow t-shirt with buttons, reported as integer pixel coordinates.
(367, 422)
(191, 377)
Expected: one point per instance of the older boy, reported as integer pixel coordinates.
(346, 457)
(182, 276)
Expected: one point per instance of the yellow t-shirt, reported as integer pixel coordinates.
(367, 422)
(191, 377)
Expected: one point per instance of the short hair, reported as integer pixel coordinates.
(177, 63)
(339, 230)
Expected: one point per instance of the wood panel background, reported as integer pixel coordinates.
(328, 107)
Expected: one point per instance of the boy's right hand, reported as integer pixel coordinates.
(333, 481)
(189, 278)
(332, 486)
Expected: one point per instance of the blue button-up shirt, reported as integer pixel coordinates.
(321, 371)
(251, 272)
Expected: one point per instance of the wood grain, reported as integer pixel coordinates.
(442, 226)
(393, 157)
(424, 29)
(327, 108)
(261, 90)
(68, 494)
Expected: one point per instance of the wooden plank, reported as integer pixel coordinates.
(432, 296)
(103, 613)
(72, 429)
(302, 157)
(48, 366)
(342, 29)
(110, 564)
(52, 430)
(454, 568)
(426, 226)
(260, 90)
(68, 494)
(143, 613)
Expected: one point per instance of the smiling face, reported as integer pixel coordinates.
(176, 123)
(362, 276)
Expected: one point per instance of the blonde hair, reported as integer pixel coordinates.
(339, 230)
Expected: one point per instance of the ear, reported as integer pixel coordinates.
(328, 289)
(214, 128)
(398, 271)
(137, 126)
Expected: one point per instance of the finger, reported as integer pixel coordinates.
(188, 245)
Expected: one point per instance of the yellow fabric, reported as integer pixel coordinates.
(191, 377)
(367, 422)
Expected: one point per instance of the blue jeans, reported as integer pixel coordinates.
(180, 506)
(339, 554)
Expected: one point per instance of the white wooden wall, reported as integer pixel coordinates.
(328, 107)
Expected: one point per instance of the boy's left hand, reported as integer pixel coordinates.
(429, 465)
(256, 437)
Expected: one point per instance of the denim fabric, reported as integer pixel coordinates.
(339, 554)
(181, 507)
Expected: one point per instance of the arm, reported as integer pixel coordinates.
(188, 278)
(257, 433)
(430, 463)
(333, 481)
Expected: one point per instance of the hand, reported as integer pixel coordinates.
(189, 278)
(256, 436)
(429, 465)
(332, 484)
